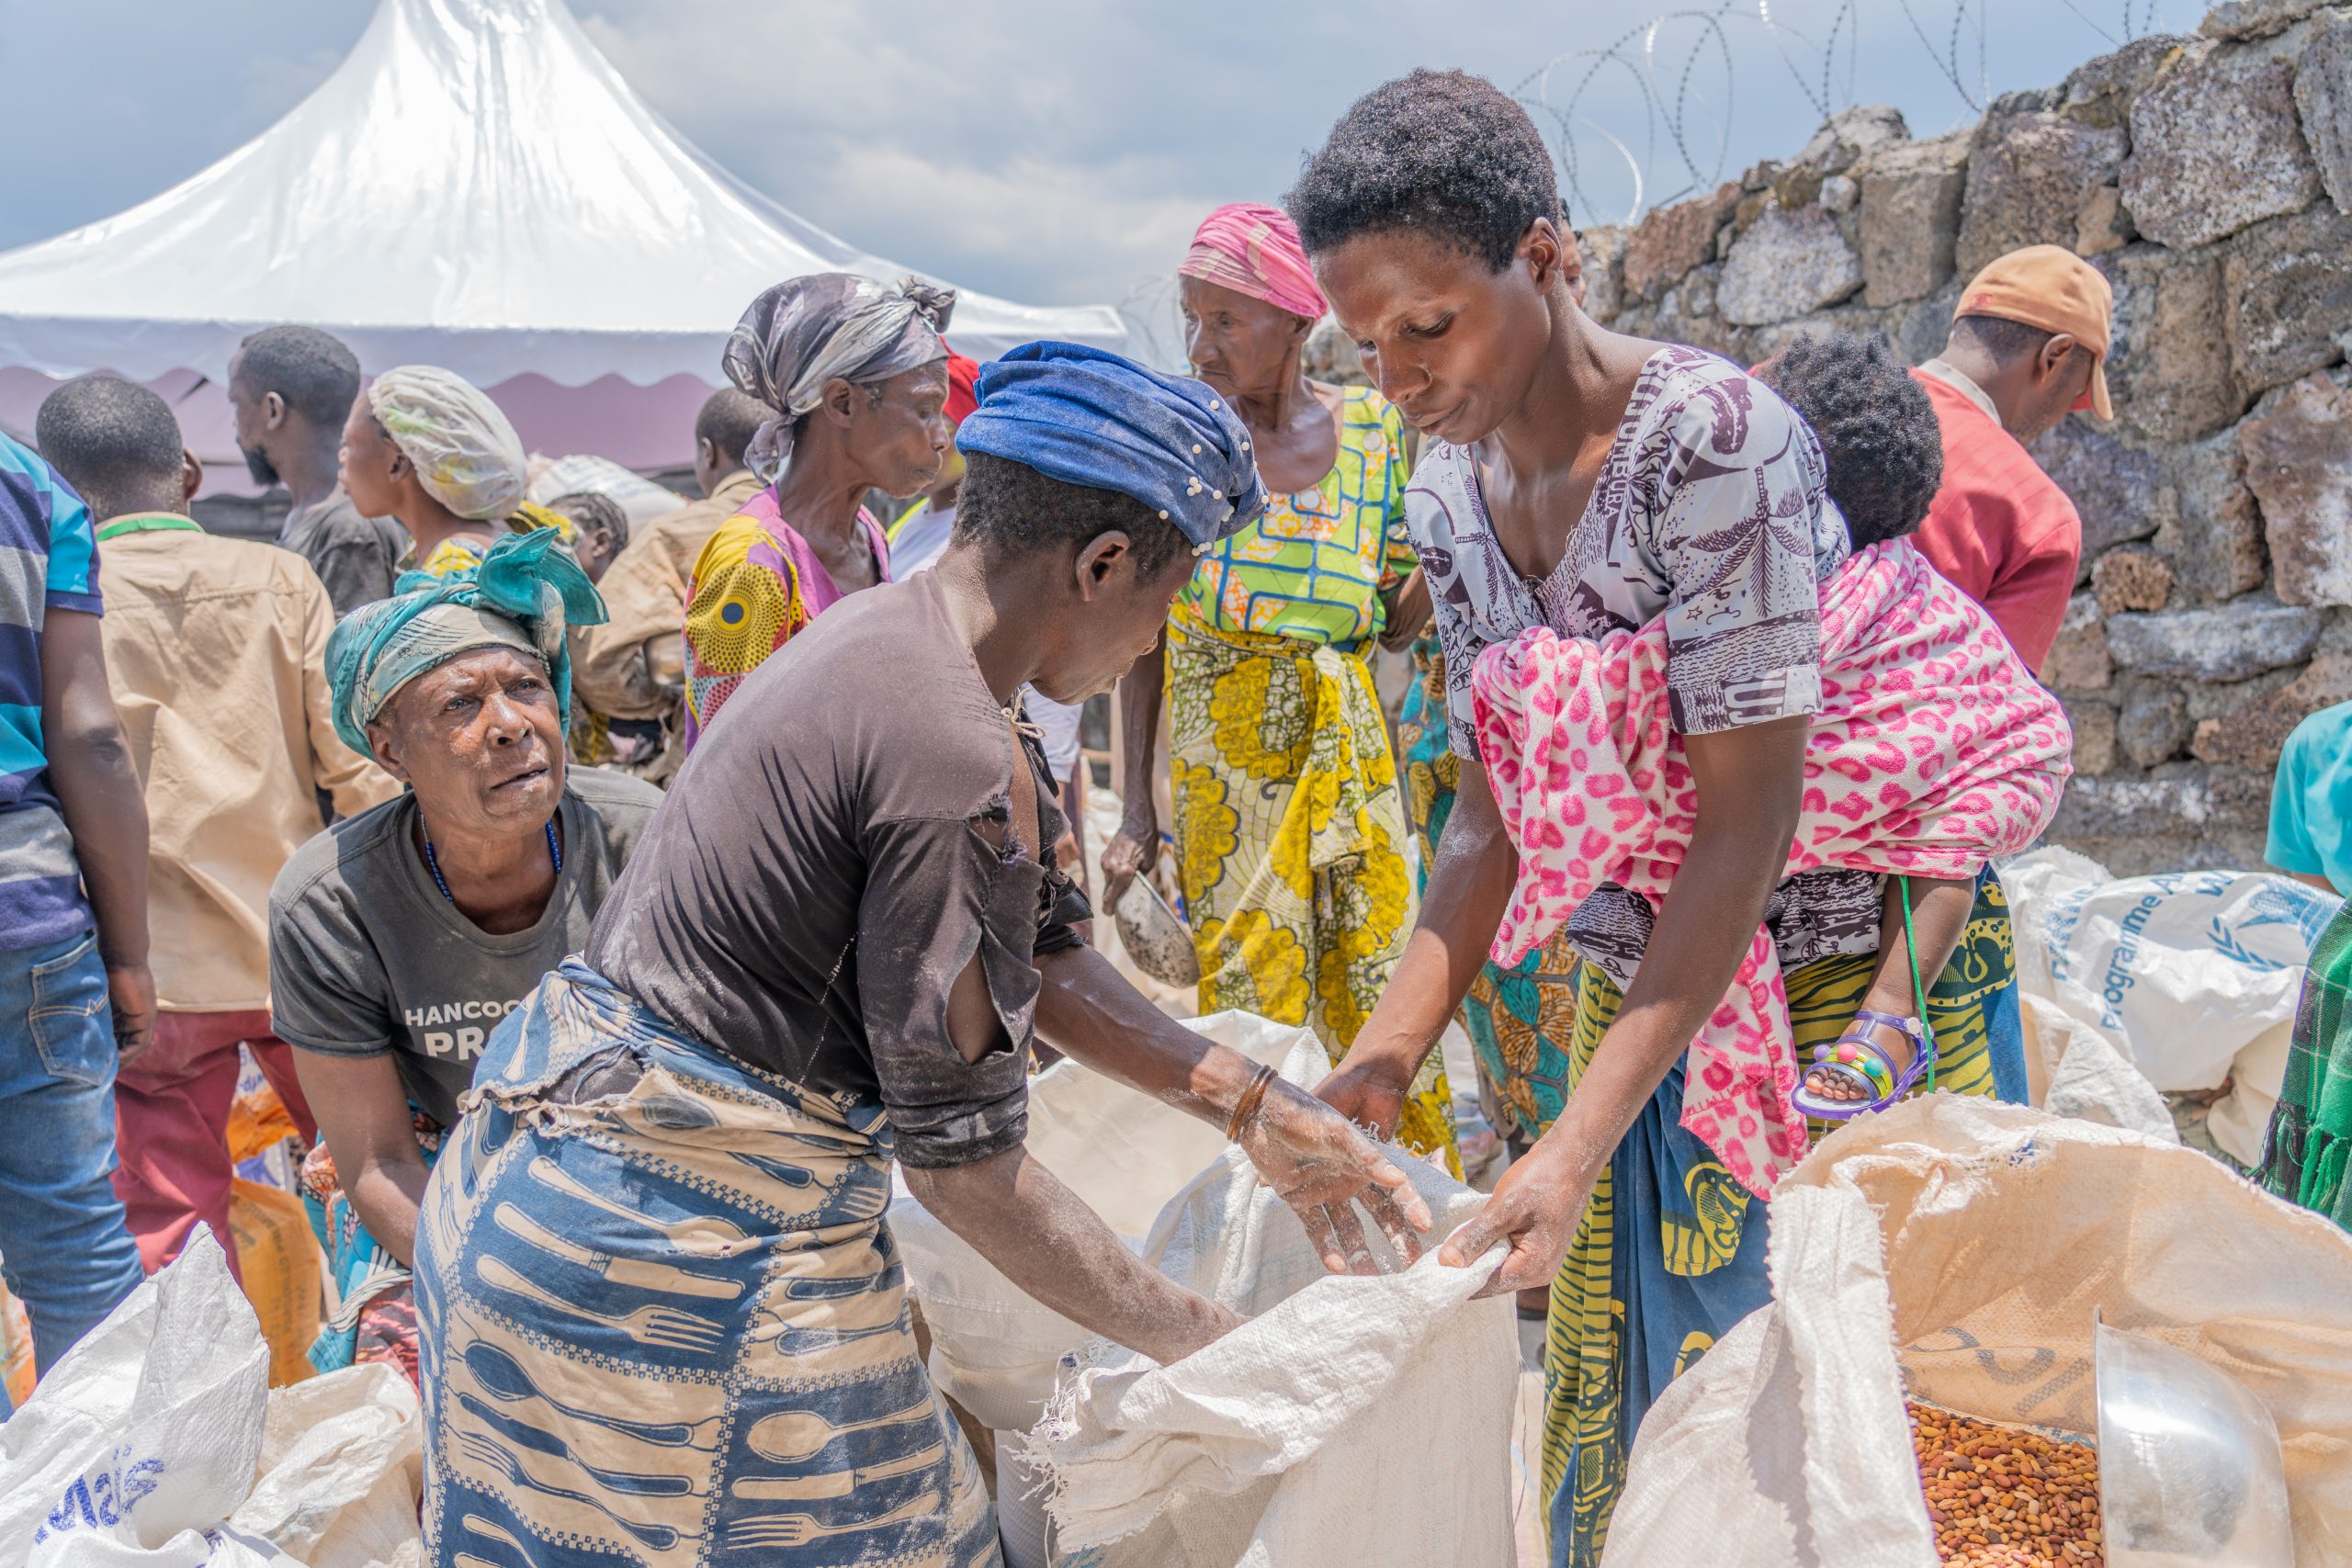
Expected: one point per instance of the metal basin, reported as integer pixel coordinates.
(2189, 1470)
(1155, 937)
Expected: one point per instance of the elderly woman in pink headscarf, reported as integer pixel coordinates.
(1290, 828)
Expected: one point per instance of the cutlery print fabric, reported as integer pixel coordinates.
(670, 1327)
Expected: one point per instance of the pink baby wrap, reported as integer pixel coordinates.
(1934, 752)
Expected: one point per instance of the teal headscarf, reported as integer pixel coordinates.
(526, 590)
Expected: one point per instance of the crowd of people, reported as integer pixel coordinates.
(611, 908)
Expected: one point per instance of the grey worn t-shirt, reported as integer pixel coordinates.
(820, 873)
(355, 556)
(366, 957)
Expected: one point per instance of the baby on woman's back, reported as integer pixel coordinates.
(1877, 429)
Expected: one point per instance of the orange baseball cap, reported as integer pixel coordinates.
(2050, 287)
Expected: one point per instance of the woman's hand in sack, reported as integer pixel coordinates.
(1322, 1165)
(1368, 1090)
(1536, 1207)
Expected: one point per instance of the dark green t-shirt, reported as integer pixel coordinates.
(365, 956)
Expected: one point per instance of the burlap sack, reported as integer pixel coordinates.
(1955, 1249)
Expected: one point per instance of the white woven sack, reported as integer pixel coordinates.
(142, 1439)
(993, 1350)
(157, 1443)
(342, 1466)
(2181, 971)
(2084, 1076)
(1954, 1249)
(1361, 1422)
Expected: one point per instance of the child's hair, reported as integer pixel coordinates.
(593, 512)
(1877, 429)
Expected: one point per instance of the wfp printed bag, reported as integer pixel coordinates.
(2192, 975)
(142, 1439)
(994, 1350)
(156, 1443)
(2181, 972)
(1354, 1422)
(1953, 1250)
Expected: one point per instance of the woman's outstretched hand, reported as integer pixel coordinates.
(1536, 1207)
(1322, 1164)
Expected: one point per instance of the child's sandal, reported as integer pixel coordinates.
(1856, 1056)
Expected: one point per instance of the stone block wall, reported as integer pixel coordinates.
(2210, 178)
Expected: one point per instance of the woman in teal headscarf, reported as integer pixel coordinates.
(400, 938)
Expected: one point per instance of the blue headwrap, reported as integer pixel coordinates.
(526, 589)
(1089, 417)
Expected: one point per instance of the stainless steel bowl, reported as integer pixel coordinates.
(1155, 936)
(2189, 1470)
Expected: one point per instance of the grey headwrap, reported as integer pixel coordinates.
(807, 331)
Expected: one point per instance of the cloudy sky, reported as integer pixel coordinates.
(1050, 151)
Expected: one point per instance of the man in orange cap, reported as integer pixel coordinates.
(2027, 346)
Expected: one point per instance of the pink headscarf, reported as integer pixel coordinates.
(1253, 249)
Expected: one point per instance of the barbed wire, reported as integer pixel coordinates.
(1683, 67)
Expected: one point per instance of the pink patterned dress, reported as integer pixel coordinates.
(755, 585)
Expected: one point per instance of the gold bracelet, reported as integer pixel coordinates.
(1246, 1106)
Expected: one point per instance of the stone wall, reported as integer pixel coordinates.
(2211, 179)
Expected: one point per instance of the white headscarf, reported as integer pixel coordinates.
(465, 452)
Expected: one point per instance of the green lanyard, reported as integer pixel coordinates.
(149, 523)
(1918, 992)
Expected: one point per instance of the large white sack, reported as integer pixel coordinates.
(143, 1436)
(2181, 971)
(1354, 1422)
(1954, 1249)
(157, 1443)
(993, 1350)
(341, 1467)
(2082, 1075)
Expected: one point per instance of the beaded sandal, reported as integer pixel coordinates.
(1858, 1057)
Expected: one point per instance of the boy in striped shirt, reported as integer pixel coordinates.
(75, 994)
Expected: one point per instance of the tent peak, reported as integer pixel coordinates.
(474, 186)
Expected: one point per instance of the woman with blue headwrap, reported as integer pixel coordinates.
(662, 1306)
(398, 939)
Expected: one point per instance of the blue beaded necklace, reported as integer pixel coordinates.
(432, 861)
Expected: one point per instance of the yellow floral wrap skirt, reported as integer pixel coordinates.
(1290, 832)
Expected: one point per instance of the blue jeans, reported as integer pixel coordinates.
(63, 1245)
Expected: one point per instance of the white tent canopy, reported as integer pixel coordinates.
(475, 187)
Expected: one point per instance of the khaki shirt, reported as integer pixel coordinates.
(634, 665)
(216, 652)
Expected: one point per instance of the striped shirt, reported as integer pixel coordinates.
(49, 560)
